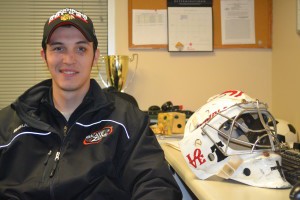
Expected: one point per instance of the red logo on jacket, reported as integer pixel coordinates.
(97, 136)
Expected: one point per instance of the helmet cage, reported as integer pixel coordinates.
(238, 132)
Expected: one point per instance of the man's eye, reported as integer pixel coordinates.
(57, 49)
(82, 49)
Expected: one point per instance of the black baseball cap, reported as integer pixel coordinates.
(72, 17)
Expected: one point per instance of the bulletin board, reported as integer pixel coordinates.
(144, 4)
(263, 23)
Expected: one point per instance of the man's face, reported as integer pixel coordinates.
(69, 57)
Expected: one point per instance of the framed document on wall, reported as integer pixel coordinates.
(145, 11)
(190, 25)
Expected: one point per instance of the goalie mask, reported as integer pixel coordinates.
(230, 137)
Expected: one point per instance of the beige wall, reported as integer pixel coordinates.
(286, 62)
(191, 78)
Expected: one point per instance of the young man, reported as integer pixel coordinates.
(65, 138)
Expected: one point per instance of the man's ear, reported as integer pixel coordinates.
(96, 57)
(43, 55)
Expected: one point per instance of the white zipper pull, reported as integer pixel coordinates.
(57, 156)
(48, 156)
(56, 159)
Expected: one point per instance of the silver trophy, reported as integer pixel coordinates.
(117, 67)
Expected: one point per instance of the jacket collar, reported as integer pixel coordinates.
(28, 105)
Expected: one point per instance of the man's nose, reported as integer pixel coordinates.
(69, 58)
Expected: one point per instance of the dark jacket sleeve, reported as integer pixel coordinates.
(146, 172)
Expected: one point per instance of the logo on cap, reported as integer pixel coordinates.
(68, 14)
(66, 17)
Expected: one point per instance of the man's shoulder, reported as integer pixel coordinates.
(6, 112)
(9, 120)
(113, 93)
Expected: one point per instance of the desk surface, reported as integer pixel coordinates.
(217, 188)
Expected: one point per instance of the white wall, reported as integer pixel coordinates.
(191, 78)
(286, 62)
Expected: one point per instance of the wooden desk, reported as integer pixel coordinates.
(217, 188)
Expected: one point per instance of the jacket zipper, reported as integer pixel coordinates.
(56, 160)
(57, 156)
(65, 130)
(48, 156)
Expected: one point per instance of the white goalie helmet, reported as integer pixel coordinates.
(230, 137)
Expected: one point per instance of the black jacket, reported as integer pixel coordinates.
(105, 151)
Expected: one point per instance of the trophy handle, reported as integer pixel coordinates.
(131, 59)
(102, 59)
